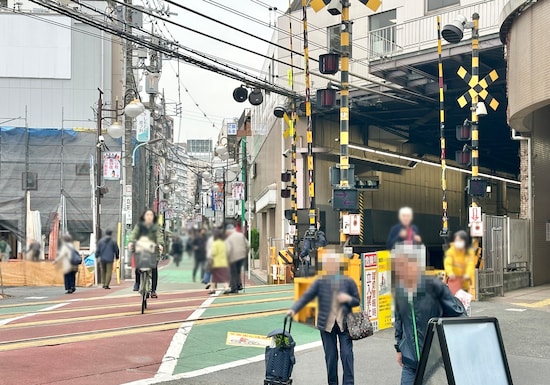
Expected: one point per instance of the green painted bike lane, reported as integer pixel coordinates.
(205, 344)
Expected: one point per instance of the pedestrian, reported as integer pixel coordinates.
(459, 263)
(149, 228)
(207, 278)
(405, 230)
(34, 250)
(177, 250)
(337, 295)
(107, 251)
(5, 250)
(64, 258)
(199, 253)
(219, 263)
(417, 298)
(237, 252)
(311, 243)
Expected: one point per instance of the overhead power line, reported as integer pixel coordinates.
(220, 40)
(225, 70)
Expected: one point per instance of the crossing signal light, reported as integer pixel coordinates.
(477, 187)
(464, 131)
(328, 63)
(463, 158)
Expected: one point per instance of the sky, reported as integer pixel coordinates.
(212, 92)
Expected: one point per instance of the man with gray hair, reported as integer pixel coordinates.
(417, 299)
(237, 248)
(405, 230)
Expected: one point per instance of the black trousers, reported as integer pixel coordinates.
(235, 268)
(70, 280)
(154, 278)
(330, 346)
(199, 264)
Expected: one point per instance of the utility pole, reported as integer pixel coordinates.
(128, 175)
(99, 171)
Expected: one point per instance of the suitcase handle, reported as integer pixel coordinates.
(287, 318)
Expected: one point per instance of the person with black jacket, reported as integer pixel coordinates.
(107, 251)
(405, 230)
(199, 253)
(337, 296)
(149, 228)
(418, 298)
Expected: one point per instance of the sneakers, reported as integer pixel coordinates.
(154, 294)
(136, 287)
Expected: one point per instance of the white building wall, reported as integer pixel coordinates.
(73, 89)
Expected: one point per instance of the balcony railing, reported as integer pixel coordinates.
(421, 33)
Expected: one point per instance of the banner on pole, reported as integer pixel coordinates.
(143, 126)
(111, 165)
(237, 189)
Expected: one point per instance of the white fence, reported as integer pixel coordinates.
(421, 33)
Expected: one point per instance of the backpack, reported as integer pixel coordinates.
(76, 259)
(3, 246)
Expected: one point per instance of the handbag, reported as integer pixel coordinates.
(359, 325)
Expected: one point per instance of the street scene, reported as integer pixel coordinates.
(274, 191)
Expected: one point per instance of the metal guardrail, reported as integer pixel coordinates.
(421, 33)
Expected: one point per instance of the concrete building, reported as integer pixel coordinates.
(394, 121)
(524, 32)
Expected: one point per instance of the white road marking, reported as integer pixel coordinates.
(36, 297)
(172, 355)
(8, 320)
(514, 309)
(217, 368)
(54, 306)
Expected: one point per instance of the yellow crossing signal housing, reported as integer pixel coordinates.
(317, 5)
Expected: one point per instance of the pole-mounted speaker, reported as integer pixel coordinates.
(256, 97)
(240, 94)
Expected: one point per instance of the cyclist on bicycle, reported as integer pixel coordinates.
(148, 227)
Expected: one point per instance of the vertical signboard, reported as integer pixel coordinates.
(143, 126)
(384, 290)
(111, 165)
(370, 287)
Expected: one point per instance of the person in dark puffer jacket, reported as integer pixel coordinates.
(337, 296)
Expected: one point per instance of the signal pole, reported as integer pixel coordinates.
(344, 106)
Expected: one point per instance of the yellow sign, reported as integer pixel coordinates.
(384, 290)
(250, 340)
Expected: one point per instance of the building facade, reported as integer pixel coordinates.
(524, 31)
(49, 98)
(394, 121)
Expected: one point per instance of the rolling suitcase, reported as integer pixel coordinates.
(279, 356)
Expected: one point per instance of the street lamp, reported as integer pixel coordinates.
(134, 108)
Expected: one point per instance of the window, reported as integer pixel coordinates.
(382, 33)
(432, 5)
(333, 35)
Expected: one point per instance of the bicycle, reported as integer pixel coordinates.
(144, 286)
(146, 261)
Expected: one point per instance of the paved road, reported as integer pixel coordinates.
(524, 329)
(98, 336)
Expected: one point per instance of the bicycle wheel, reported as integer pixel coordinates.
(143, 290)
